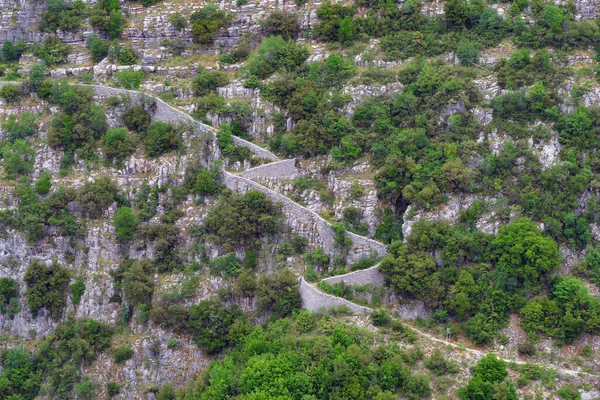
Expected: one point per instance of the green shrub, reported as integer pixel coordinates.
(53, 51)
(281, 23)
(21, 128)
(123, 354)
(177, 20)
(260, 215)
(210, 322)
(10, 93)
(275, 54)
(106, 17)
(43, 185)
(11, 51)
(380, 318)
(208, 81)
(37, 75)
(127, 56)
(62, 15)
(161, 138)
(136, 119)
(46, 287)
(569, 392)
(95, 197)
(118, 145)
(9, 297)
(208, 22)
(18, 158)
(137, 281)
(113, 389)
(98, 48)
(129, 79)
(125, 223)
(440, 365)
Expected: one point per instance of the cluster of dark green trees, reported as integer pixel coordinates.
(56, 363)
(480, 279)
(311, 357)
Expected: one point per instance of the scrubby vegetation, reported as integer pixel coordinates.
(467, 141)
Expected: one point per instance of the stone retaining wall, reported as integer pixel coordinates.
(259, 151)
(278, 169)
(362, 277)
(315, 300)
(308, 223)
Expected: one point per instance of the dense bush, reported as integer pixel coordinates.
(489, 379)
(208, 81)
(123, 354)
(208, 22)
(129, 79)
(62, 15)
(9, 297)
(79, 123)
(17, 158)
(136, 119)
(106, 17)
(127, 56)
(46, 287)
(95, 197)
(260, 217)
(125, 223)
(210, 322)
(12, 51)
(267, 364)
(118, 145)
(60, 354)
(10, 93)
(20, 128)
(281, 23)
(275, 54)
(98, 48)
(161, 138)
(53, 51)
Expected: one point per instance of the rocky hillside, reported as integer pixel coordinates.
(179, 180)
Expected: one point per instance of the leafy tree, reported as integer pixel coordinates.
(123, 354)
(260, 217)
(207, 22)
(95, 197)
(129, 79)
(281, 23)
(18, 158)
(46, 287)
(210, 321)
(53, 51)
(11, 52)
(136, 119)
(412, 274)
(125, 223)
(161, 138)
(37, 75)
(275, 54)
(208, 81)
(278, 293)
(43, 185)
(98, 48)
(177, 20)
(117, 144)
(525, 259)
(21, 128)
(138, 282)
(127, 56)
(10, 93)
